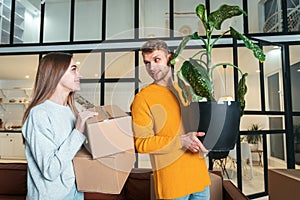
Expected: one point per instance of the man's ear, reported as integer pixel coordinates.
(170, 56)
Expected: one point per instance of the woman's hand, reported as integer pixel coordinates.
(190, 141)
(81, 119)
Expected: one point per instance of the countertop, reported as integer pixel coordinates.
(2, 130)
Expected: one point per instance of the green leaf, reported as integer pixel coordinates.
(216, 18)
(242, 90)
(257, 51)
(197, 77)
(181, 46)
(202, 14)
(183, 87)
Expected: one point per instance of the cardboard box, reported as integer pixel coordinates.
(106, 175)
(109, 133)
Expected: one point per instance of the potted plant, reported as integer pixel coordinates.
(196, 81)
(253, 139)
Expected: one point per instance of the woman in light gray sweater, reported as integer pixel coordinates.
(53, 130)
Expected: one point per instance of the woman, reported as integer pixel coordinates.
(53, 129)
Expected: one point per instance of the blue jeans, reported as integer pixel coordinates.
(203, 195)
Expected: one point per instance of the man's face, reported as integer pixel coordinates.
(157, 66)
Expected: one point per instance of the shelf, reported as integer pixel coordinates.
(4, 105)
(4, 91)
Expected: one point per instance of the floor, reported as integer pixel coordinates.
(254, 184)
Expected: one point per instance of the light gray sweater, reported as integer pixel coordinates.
(51, 142)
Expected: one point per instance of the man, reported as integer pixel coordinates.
(177, 159)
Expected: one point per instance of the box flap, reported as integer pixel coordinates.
(105, 113)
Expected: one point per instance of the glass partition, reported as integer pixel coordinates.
(273, 79)
(91, 12)
(186, 21)
(120, 94)
(90, 94)
(119, 19)
(5, 17)
(295, 76)
(248, 63)
(144, 78)
(27, 21)
(271, 14)
(17, 74)
(89, 64)
(154, 18)
(24, 65)
(119, 65)
(296, 130)
(57, 21)
(255, 18)
(293, 15)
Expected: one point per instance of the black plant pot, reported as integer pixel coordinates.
(220, 122)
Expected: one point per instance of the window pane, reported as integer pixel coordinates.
(5, 21)
(293, 15)
(119, 65)
(248, 120)
(273, 79)
(57, 21)
(120, 94)
(89, 64)
(296, 121)
(248, 63)
(222, 77)
(15, 86)
(119, 21)
(144, 78)
(271, 14)
(27, 21)
(154, 18)
(25, 65)
(185, 19)
(88, 95)
(255, 16)
(236, 22)
(295, 77)
(91, 12)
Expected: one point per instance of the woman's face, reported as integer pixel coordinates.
(71, 79)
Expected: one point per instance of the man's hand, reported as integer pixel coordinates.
(190, 141)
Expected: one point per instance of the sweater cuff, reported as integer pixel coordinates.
(81, 137)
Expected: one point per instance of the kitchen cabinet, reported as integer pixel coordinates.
(13, 102)
(11, 145)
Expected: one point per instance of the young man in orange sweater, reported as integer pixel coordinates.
(179, 167)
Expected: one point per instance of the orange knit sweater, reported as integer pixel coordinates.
(157, 127)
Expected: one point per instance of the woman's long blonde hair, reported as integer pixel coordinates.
(50, 70)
